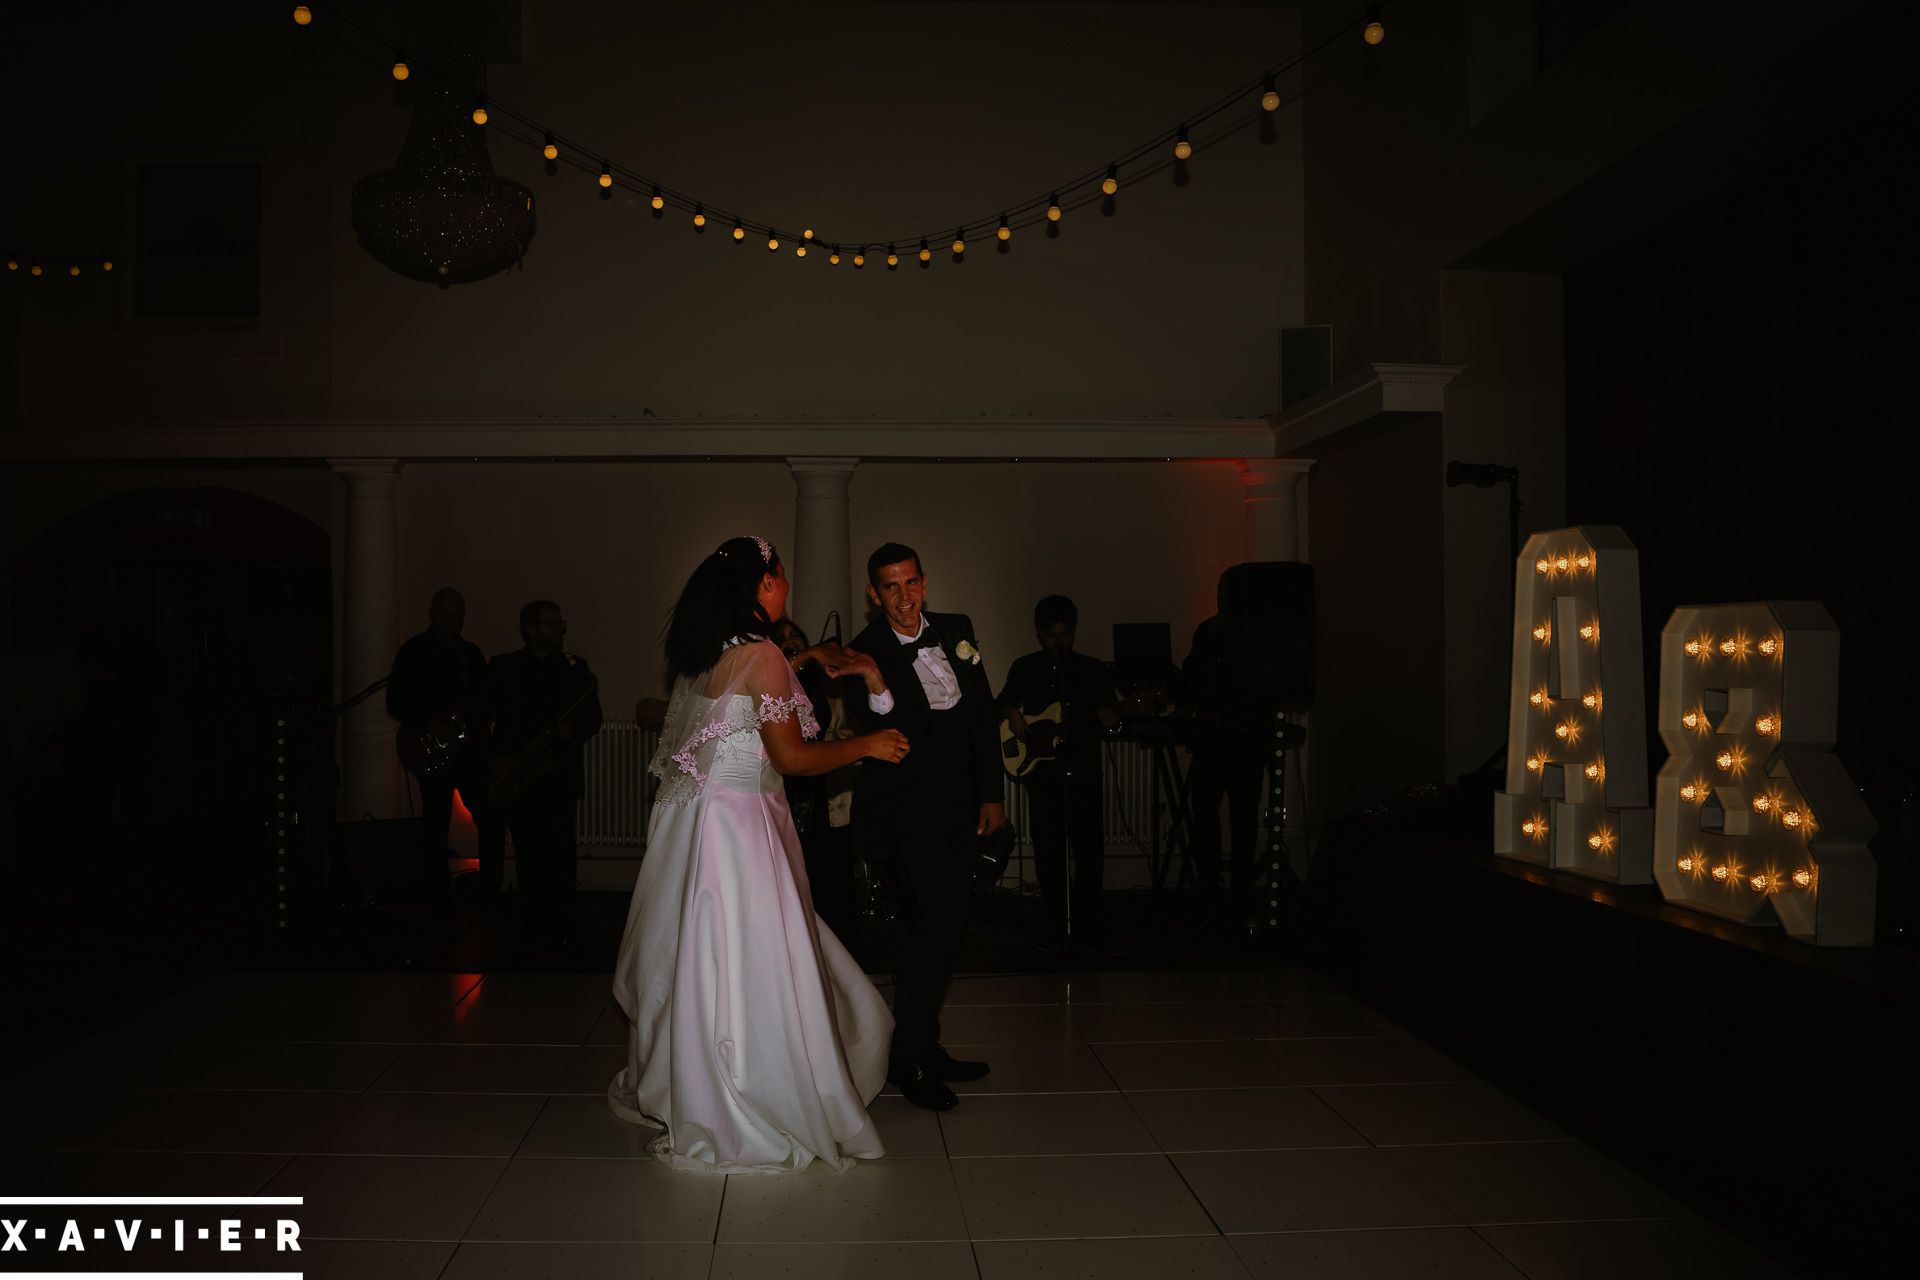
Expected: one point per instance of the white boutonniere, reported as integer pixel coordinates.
(966, 652)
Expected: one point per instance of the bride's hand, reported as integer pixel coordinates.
(820, 653)
(889, 745)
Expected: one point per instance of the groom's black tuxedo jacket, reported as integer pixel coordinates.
(954, 758)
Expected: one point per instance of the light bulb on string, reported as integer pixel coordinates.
(400, 69)
(1375, 31)
(807, 234)
(1181, 147)
(480, 112)
(699, 216)
(833, 256)
(106, 264)
(959, 241)
(659, 201)
(1005, 232)
(926, 254)
(893, 259)
(1053, 208)
(773, 242)
(302, 16)
(860, 256)
(800, 251)
(550, 151)
(13, 264)
(1110, 183)
(1270, 96)
(34, 270)
(606, 176)
(739, 232)
(73, 268)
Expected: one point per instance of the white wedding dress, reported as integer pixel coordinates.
(756, 1041)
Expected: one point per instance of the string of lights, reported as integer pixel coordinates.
(560, 149)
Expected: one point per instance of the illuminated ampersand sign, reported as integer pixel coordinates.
(1576, 794)
(1756, 820)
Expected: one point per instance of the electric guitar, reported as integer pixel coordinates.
(1047, 728)
(428, 748)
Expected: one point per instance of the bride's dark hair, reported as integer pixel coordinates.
(720, 601)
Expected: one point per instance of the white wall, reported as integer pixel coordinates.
(1130, 542)
(877, 119)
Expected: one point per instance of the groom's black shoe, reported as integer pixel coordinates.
(922, 1088)
(944, 1066)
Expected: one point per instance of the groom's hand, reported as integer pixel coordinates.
(992, 818)
(851, 662)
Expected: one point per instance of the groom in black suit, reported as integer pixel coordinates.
(924, 678)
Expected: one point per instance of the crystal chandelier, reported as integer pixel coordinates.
(441, 214)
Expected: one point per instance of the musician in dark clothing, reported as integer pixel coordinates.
(1228, 757)
(545, 705)
(436, 689)
(1064, 794)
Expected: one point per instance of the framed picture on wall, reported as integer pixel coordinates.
(195, 234)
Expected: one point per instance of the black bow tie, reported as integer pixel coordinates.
(927, 640)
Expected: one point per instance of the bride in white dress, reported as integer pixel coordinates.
(756, 1041)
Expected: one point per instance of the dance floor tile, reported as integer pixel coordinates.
(1073, 1197)
(1007, 1024)
(877, 1201)
(181, 1119)
(1432, 1253)
(1363, 1060)
(584, 1125)
(375, 1259)
(1282, 1019)
(945, 1260)
(1181, 985)
(1141, 1258)
(1193, 1064)
(593, 989)
(438, 1124)
(477, 1260)
(516, 1021)
(1241, 1119)
(1098, 1023)
(476, 1068)
(387, 1197)
(121, 1173)
(1018, 988)
(1682, 1249)
(443, 990)
(610, 1027)
(1492, 1182)
(1039, 1124)
(592, 1068)
(1328, 1189)
(907, 1131)
(1393, 1114)
(599, 1201)
(1033, 1068)
(199, 1064)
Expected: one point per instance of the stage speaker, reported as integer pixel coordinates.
(1306, 362)
(1270, 633)
(289, 625)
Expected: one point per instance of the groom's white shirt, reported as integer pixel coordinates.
(935, 672)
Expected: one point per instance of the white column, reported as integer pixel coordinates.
(1276, 501)
(369, 772)
(822, 562)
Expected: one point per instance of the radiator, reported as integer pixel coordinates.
(613, 812)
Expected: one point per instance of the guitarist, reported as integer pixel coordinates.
(1064, 793)
(530, 692)
(437, 675)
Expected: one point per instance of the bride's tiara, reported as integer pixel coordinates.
(766, 549)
